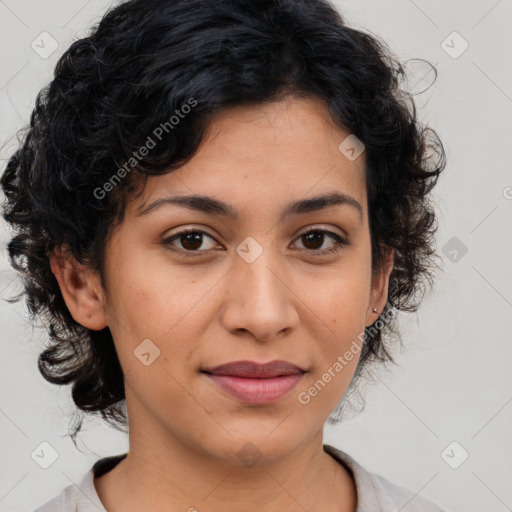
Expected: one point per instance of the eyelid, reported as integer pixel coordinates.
(187, 228)
(322, 227)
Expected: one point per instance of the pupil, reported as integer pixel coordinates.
(195, 238)
(314, 236)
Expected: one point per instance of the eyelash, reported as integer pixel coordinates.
(339, 246)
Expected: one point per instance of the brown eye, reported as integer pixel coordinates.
(314, 239)
(190, 240)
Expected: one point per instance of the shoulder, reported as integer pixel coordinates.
(377, 494)
(81, 497)
(64, 502)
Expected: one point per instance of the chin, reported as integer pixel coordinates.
(248, 449)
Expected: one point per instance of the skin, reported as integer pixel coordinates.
(290, 303)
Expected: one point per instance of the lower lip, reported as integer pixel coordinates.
(256, 391)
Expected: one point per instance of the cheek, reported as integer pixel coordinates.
(339, 298)
(171, 312)
(152, 297)
(347, 315)
(338, 345)
(337, 325)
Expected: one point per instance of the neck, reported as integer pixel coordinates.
(163, 474)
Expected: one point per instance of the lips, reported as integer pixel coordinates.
(254, 383)
(250, 369)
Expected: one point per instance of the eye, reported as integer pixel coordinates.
(317, 237)
(190, 240)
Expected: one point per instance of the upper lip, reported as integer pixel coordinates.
(251, 369)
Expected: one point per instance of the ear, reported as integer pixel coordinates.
(80, 288)
(380, 284)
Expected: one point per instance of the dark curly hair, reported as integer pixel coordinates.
(139, 66)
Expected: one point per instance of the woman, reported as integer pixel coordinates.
(219, 208)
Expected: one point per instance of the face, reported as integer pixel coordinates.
(253, 286)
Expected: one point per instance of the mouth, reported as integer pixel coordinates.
(254, 383)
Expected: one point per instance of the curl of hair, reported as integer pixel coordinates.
(142, 62)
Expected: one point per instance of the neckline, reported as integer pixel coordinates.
(106, 464)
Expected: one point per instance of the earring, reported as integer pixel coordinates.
(374, 310)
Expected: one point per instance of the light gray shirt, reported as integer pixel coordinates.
(374, 492)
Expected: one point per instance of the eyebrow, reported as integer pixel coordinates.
(214, 206)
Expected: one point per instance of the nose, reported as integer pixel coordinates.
(259, 298)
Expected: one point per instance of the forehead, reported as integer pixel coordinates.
(266, 154)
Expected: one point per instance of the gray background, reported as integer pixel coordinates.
(453, 382)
